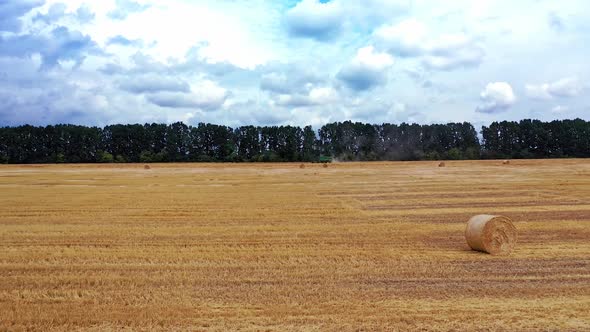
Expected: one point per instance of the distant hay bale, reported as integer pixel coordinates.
(506, 162)
(442, 164)
(495, 235)
(147, 167)
(325, 165)
(302, 166)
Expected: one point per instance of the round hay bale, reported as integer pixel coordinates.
(442, 164)
(147, 167)
(506, 162)
(302, 166)
(495, 235)
(325, 165)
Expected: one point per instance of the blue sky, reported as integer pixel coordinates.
(292, 62)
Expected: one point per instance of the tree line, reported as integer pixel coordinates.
(346, 141)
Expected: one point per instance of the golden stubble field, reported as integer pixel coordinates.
(273, 247)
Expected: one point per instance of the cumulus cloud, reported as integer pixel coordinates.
(497, 97)
(367, 69)
(60, 44)
(374, 12)
(315, 19)
(291, 78)
(563, 88)
(275, 82)
(97, 62)
(316, 96)
(11, 12)
(84, 14)
(58, 11)
(55, 12)
(559, 109)
(324, 20)
(412, 38)
(120, 40)
(126, 8)
(153, 83)
(206, 96)
(31, 96)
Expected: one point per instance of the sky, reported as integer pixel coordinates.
(308, 62)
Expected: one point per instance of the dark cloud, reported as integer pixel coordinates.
(11, 12)
(367, 70)
(29, 96)
(191, 65)
(295, 101)
(60, 44)
(67, 45)
(359, 78)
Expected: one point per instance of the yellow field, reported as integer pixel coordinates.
(355, 246)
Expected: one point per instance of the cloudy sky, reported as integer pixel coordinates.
(269, 62)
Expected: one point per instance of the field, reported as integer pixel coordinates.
(276, 247)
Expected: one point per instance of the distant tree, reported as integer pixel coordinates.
(342, 140)
(310, 145)
(60, 158)
(146, 156)
(454, 154)
(105, 157)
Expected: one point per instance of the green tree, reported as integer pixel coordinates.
(105, 157)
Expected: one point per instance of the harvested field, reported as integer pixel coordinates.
(276, 247)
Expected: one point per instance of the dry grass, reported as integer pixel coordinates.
(356, 246)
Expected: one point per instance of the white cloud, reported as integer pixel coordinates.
(367, 69)
(276, 82)
(325, 20)
(316, 97)
(445, 51)
(368, 58)
(497, 97)
(97, 62)
(313, 19)
(406, 38)
(206, 95)
(322, 96)
(154, 83)
(565, 87)
(559, 109)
